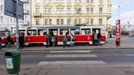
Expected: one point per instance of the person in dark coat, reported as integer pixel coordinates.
(99, 38)
(21, 40)
(9, 41)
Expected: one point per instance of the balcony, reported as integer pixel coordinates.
(74, 14)
(25, 1)
(37, 15)
(26, 12)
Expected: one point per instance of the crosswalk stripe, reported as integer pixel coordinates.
(75, 51)
(70, 55)
(129, 54)
(70, 62)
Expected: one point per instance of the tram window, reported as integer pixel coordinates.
(85, 31)
(41, 32)
(64, 31)
(55, 33)
(34, 33)
(4, 33)
(44, 33)
(31, 32)
(22, 31)
(77, 32)
(72, 31)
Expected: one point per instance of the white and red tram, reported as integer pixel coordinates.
(82, 34)
(3, 34)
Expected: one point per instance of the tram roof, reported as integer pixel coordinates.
(58, 27)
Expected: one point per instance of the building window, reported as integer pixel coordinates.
(62, 21)
(37, 1)
(108, 1)
(77, 0)
(75, 21)
(61, 10)
(78, 10)
(68, 9)
(87, 10)
(50, 21)
(100, 21)
(92, 1)
(37, 10)
(25, 18)
(1, 7)
(68, 21)
(100, 10)
(57, 10)
(45, 10)
(49, 10)
(100, 1)
(87, 1)
(25, 6)
(46, 21)
(92, 10)
(68, 0)
(58, 22)
(37, 21)
(92, 20)
(1, 18)
(79, 21)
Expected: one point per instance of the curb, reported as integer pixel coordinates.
(76, 49)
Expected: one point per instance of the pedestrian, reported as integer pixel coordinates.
(21, 40)
(53, 40)
(94, 38)
(99, 38)
(72, 40)
(9, 41)
(47, 40)
(65, 41)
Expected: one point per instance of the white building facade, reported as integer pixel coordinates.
(70, 12)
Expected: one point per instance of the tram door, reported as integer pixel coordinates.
(95, 32)
(53, 34)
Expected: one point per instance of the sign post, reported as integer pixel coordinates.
(17, 25)
(118, 33)
(14, 8)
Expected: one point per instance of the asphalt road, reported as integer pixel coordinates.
(77, 55)
(105, 56)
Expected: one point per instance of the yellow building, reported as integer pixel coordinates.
(70, 12)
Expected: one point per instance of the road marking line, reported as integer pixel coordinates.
(70, 55)
(78, 51)
(70, 62)
(129, 54)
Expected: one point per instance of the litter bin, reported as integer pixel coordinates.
(12, 61)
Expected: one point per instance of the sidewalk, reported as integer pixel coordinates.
(79, 69)
(75, 70)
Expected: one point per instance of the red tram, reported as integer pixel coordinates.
(3, 34)
(82, 34)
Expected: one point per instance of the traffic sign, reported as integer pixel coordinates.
(10, 8)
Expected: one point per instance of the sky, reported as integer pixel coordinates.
(126, 12)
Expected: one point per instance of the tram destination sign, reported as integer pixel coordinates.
(10, 8)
